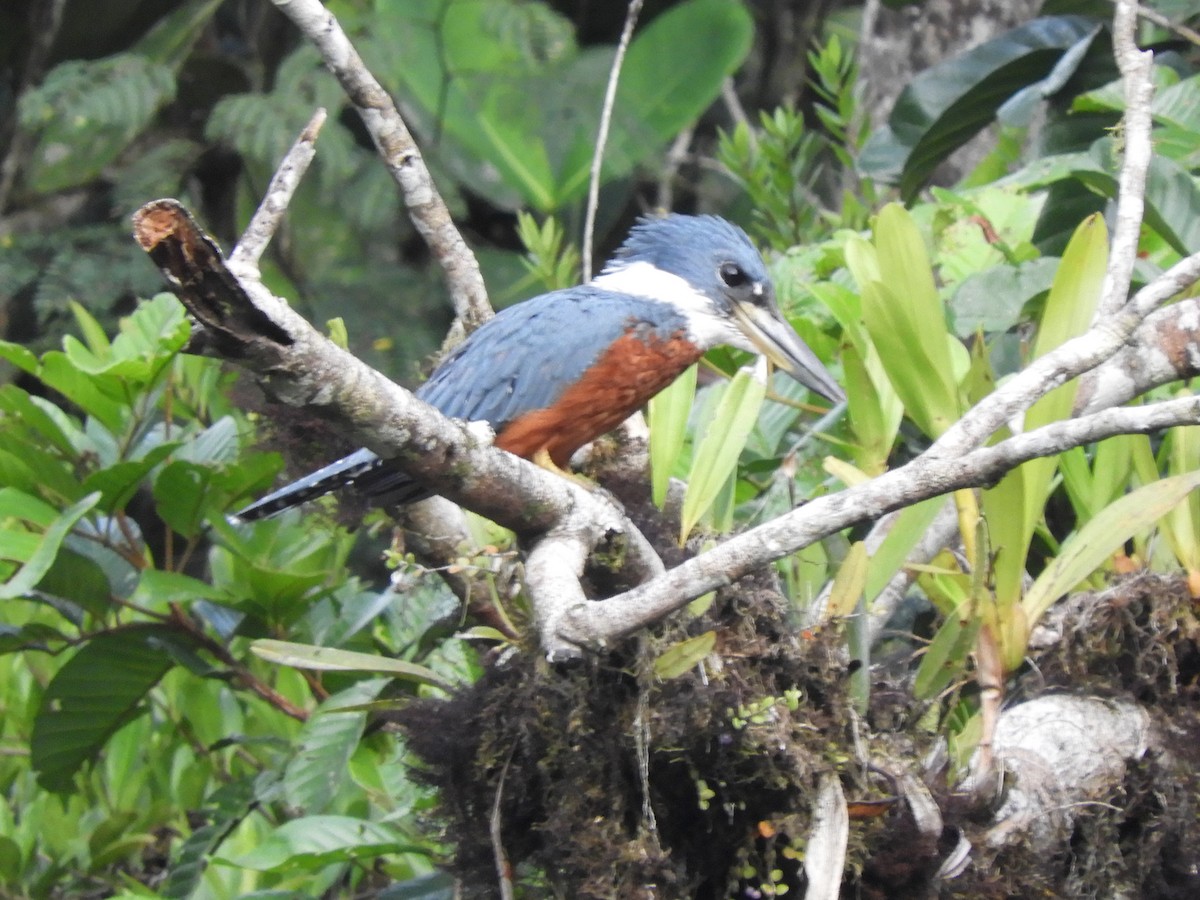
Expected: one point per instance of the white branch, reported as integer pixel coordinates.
(267, 218)
(610, 99)
(929, 475)
(400, 154)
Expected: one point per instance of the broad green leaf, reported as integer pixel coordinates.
(1086, 550)
(76, 579)
(684, 656)
(944, 106)
(329, 659)
(317, 841)
(181, 495)
(992, 300)
(477, 79)
(93, 332)
(157, 588)
(85, 390)
(668, 415)
(97, 691)
(1172, 199)
(19, 356)
(716, 456)
(326, 742)
(118, 483)
(42, 558)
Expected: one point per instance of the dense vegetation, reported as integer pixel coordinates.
(165, 729)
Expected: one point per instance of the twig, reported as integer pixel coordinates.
(1157, 18)
(734, 106)
(401, 155)
(503, 867)
(1135, 66)
(265, 221)
(610, 99)
(665, 196)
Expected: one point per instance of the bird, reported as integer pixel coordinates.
(555, 372)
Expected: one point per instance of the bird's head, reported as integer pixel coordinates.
(707, 269)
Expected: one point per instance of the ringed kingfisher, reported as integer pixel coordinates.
(558, 371)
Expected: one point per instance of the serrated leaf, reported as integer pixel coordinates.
(325, 744)
(684, 656)
(716, 456)
(317, 841)
(91, 696)
(330, 659)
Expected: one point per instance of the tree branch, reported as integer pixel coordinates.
(929, 475)
(610, 99)
(401, 155)
(245, 323)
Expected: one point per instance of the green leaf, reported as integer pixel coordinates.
(849, 584)
(43, 556)
(316, 841)
(181, 495)
(329, 659)
(118, 483)
(907, 323)
(476, 79)
(85, 112)
(668, 414)
(992, 300)
(945, 105)
(1086, 550)
(97, 691)
(945, 658)
(715, 459)
(325, 744)
(893, 551)
(684, 656)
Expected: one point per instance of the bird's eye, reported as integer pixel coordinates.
(733, 275)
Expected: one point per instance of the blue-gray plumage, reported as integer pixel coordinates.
(555, 372)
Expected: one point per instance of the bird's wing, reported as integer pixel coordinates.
(525, 358)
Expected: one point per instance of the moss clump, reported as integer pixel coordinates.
(616, 784)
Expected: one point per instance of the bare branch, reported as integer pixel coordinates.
(401, 155)
(265, 221)
(1135, 67)
(1165, 348)
(610, 99)
(243, 322)
(929, 475)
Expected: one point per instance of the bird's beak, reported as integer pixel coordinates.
(775, 339)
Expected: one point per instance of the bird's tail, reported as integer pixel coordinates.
(346, 472)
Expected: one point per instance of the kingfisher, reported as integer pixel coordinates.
(554, 373)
